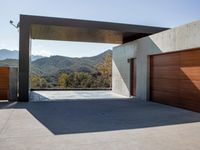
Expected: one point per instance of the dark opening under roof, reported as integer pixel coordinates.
(50, 28)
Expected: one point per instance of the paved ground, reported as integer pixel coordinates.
(97, 125)
(73, 95)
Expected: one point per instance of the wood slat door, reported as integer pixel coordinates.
(133, 76)
(4, 83)
(175, 79)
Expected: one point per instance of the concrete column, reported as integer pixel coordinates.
(142, 77)
(24, 59)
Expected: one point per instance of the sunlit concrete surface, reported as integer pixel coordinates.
(97, 125)
(181, 38)
(73, 95)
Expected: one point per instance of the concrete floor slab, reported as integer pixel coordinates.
(97, 124)
(73, 95)
(21, 121)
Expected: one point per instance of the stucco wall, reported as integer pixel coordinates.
(176, 39)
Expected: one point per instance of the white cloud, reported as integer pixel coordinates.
(42, 52)
(9, 46)
(2, 45)
(70, 49)
(39, 49)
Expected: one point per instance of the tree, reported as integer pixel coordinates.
(80, 80)
(39, 82)
(63, 80)
(105, 68)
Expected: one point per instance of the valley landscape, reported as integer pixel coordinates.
(65, 72)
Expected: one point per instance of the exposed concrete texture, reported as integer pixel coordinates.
(13, 78)
(73, 95)
(64, 33)
(181, 38)
(50, 28)
(24, 59)
(121, 68)
(98, 124)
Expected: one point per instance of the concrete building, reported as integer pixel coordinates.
(167, 67)
(152, 63)
(49, 28)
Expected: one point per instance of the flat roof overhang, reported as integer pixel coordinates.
(50, 28)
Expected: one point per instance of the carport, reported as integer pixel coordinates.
(48, 28)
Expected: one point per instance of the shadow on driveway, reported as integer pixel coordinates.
(81, 116)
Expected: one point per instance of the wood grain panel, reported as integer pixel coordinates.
(4, 86)
(190, 58)
(4, 83)
(167, 85)
(166, 72)
(3, 94)
(190, 91)
(190, 73)
(189, 104)
(166, 60)
(133, 76)
(4, 70)
(190, 85)
(4, 79)
(175, 79)
(165, 97)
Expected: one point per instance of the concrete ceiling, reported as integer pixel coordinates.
(64, 33)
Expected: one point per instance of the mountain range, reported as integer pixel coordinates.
(8, 54)
(45, 66)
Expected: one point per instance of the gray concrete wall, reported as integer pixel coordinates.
(13, 78)
(181, 38)
(121, 68)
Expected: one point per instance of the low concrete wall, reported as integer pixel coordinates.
(181, 38)
(13, 84)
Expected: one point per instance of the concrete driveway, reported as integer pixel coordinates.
(117, 124)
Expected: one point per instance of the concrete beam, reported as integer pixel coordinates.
(49, 32)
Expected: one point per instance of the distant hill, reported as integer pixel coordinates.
(8, 54)
(52, 65)
(9, 62)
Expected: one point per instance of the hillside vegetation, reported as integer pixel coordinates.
(67, 72)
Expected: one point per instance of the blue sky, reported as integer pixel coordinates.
(165, 13)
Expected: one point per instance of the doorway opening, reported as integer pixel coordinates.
(133, 76)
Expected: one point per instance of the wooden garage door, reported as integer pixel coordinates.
(175, 79)
(4, 83)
